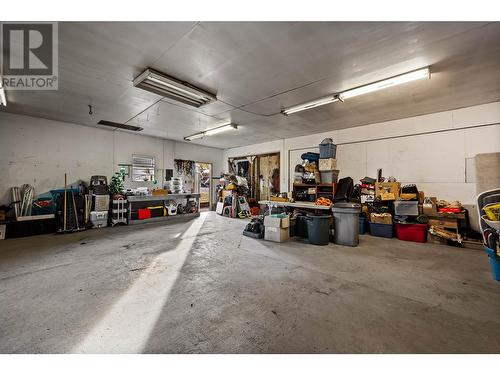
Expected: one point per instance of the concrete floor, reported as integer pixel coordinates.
(201, 287)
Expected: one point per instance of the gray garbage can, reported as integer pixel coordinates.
(346, 223)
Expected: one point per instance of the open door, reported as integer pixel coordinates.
(203, 181)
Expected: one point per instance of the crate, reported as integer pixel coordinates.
(382, 230)
(327, 149)
(406, 208)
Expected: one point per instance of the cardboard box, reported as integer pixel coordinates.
(277, 222)
(327, 164)
(276, 228)
(387, 191)
(421, 196)
(429, 207)
(276, 234)
(381, 218)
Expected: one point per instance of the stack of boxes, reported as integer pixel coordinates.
(327, 162)
(277, 228)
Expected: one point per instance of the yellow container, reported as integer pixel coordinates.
(493, 211)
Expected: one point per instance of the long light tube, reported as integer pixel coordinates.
(383, 84)
(195, 136)
(219, 129)
(380, 85)
(311, 104)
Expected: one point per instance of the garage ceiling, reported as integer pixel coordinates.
(256, 68)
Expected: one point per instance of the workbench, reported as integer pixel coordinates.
(142, 201)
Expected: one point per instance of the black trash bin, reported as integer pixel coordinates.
(318, 228)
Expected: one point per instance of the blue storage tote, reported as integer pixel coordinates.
(494, 263)
(327, 149)
(381, 230)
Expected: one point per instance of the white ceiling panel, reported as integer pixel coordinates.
(256, 68)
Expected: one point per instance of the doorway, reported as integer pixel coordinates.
(262, 173)
(203, 181)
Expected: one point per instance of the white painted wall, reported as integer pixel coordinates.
(37, 151)
(431, 151)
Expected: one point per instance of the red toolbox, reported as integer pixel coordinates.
(143, 213)
(412, 232)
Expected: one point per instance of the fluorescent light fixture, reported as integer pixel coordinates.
(311, 104)
(393, 81)
(169, 87)
(219, 129)
(195, 136)
(119, 126)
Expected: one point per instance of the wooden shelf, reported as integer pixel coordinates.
(322, 190)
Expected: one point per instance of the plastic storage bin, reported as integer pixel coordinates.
(99, 219)
(381, 230)
(327, 149)
(362, 225)
(412, 232)
(329, 177)
(406, 208)
(494, 263)
(143, 213)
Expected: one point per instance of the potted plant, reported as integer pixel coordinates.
(116, 185)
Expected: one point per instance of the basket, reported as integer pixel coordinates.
(327, 149)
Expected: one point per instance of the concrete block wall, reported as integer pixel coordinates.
(434, 151)
(38, 151)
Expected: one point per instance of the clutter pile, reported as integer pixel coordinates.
(232, 193)
(315, 180)
(77, 207)
(389, 209)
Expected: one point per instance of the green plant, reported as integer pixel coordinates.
(116, 184)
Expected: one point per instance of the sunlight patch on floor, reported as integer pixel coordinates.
(127, 326)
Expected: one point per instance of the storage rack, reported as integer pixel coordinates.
(119, 211)
(142, 201)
